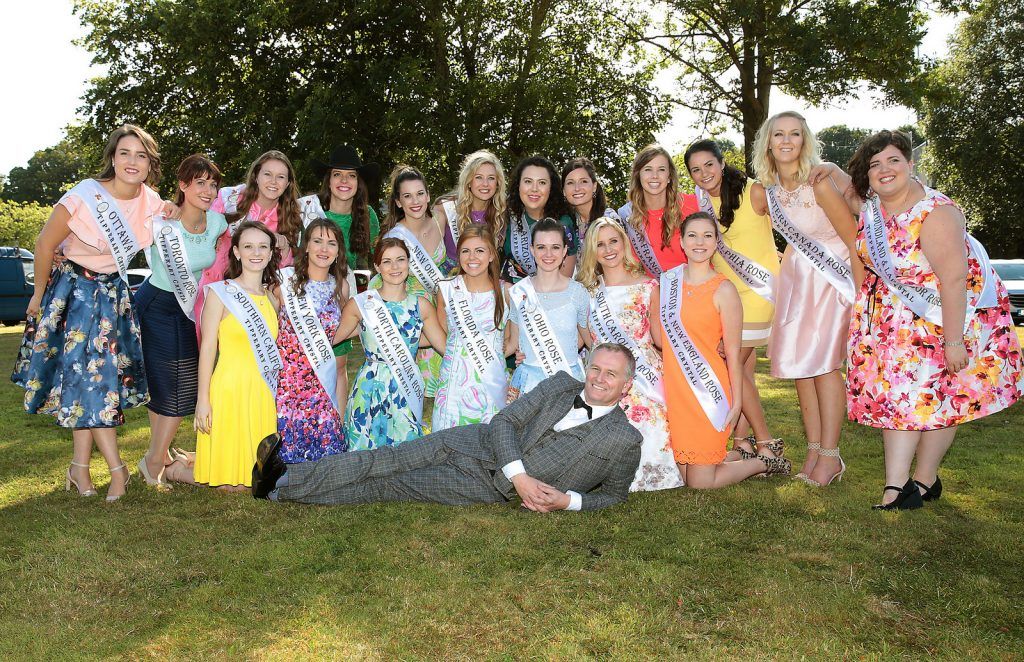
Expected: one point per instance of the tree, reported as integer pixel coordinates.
(48, 174)
(422, 82)
(732, 52)
(839, 142)
(974, 124)
(20, 222)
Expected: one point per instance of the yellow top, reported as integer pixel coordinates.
(751, 235)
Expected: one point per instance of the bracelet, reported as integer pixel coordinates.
(948, 343)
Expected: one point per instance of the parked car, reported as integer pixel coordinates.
(1012, 274)
(17, 278)
(136, 277)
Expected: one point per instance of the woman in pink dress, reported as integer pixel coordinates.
(270, 196)
(815, 287)
(919, 371)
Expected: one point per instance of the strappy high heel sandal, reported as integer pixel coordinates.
(776, 446)
(930, 493)
(69, 481)
(775, 465)
(744, 453)
(811, 446)
(837, 477)
(114, 497)
(909, 498)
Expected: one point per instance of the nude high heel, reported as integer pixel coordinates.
(811, 446)
(837, 477)
(69, 481)
(115, 497)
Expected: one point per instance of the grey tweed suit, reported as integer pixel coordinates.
(462, 465)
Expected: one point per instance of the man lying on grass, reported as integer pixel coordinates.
(562, 446)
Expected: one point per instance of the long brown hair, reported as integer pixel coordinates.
(234, 269)
(482, 232)
(340, 267)
(638, 216)
(359, 232)
(401, 174)
(289, 221)
(148, 144)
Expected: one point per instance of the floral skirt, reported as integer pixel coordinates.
(81, 360)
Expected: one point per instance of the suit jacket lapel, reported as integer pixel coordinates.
(548, 416)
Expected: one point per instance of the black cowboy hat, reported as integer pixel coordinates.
(345, 157)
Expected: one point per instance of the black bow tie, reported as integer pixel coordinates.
(578, 403)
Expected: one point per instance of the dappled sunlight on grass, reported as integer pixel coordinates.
(763, 569)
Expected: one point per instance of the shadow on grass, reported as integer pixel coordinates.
(763, 569)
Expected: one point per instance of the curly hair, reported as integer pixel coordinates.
(860, 162)
(553, 208)
(494, 215)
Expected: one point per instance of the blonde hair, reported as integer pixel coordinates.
(638, 214)
(148, 145)
(590, 268)
(761, 154)
(495, 214)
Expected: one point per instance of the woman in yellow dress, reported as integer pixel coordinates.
(236, 406)
(746, 229)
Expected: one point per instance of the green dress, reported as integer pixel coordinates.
(344, 221)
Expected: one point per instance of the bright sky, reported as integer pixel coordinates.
(40, 32)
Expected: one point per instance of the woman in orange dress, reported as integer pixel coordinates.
(700, 309)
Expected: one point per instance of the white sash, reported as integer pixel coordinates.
(264, 345)
(453, 221)
(378, 322)
(753, 275)
(229, 195)
(640, 242)
(833, 268)
(310, 332)
(310, 209)
(538, 330)
(111, 222)
(924, 301)
(700, 376)
(608, 329)
(520, 247)
(170, 245)
(420, 263)
(488, 363)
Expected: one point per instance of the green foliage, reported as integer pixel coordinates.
(50, 172)
(839, 142)
(732, 52)
(422, 82)
(972, 117)
(730, 150)
(20, 222)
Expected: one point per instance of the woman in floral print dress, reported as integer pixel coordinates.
(916, 379)
(309, 423)
(608, 266)
(379, 413)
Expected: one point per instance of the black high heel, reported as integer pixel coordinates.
(909, 498)
(930, 493)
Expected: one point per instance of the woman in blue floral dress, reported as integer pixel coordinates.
(308, 421)
(380, 411)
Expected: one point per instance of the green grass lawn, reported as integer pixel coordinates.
(765, 569)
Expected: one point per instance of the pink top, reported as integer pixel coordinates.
(220, 263)
(87, 247)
